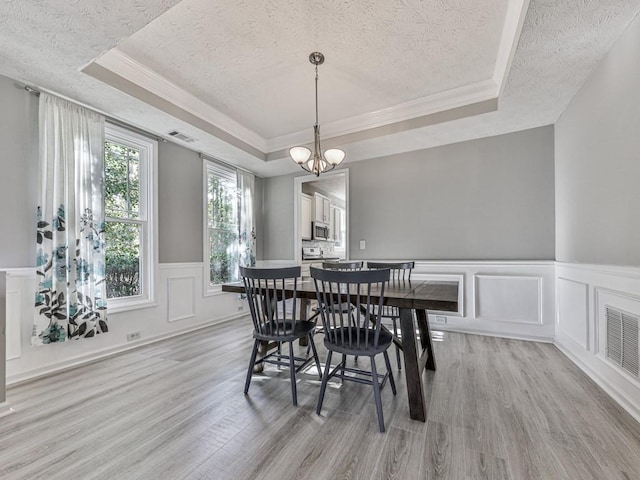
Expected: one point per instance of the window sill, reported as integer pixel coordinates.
(132, 305)
(215, 291)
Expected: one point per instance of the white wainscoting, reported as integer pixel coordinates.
(509, 299)
(179, 307)
(583, 291)
(560, 302)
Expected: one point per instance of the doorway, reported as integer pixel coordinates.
(333, 186)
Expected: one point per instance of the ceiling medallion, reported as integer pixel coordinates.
(320, 161)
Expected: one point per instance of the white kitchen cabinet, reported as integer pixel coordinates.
(321, 208)
(305, 216)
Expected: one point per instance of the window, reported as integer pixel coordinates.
(129, 162)
(221, 235)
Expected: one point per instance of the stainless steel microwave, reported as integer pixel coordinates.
(320, 231)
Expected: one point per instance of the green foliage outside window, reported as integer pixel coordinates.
(222, 215)
(122, 229)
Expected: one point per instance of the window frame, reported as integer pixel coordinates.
(148, 181)
(210, 166)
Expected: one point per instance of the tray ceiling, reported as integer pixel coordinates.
(250, 60)
(235, 75)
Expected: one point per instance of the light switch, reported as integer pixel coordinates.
(363, 244)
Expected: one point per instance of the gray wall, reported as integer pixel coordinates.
(486, 199)
(180, 204)
(18, 172)
(598, 162)
(277, 228)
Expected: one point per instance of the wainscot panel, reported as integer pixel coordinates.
(181, 297)
(573, 309)
(508, 298)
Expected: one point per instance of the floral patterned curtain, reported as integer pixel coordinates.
(246, 220)
(70, 294)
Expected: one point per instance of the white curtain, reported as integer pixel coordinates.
(246, 220)
(70, 294)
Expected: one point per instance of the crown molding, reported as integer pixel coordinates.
(123, 65)
(439, 102)
(513, 22)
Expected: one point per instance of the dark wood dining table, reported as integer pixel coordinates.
(410, 296)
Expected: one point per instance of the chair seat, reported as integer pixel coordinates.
(284, 332)
(332, 341)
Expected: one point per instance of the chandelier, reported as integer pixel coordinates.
(320, 162)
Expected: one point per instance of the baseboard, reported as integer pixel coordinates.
(5, 409)
(488, 333)
(622, 400)
(109, 352)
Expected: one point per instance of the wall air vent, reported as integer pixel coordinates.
(182, 136)
(622, 340)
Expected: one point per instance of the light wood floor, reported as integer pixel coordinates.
(497, 409)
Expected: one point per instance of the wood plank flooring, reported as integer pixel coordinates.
(497, 409)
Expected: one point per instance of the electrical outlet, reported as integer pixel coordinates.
(439, 319)
(134, 336)
(363, 244)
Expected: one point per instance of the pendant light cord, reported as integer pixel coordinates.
(316, 94)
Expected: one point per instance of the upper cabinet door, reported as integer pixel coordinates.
(326, 210)
(321, 208)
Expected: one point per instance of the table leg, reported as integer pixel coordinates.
(304, 314)
(262, 352)
(425, 338)
(415, 392)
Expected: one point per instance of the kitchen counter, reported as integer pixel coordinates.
(322, 259)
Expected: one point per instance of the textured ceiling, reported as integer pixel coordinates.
(249, 60)
(48, 43)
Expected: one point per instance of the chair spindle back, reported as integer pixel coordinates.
(336, 290)
(267, 296)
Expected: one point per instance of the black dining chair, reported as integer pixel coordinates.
(341, 266)
(272, 303)
(354, 333)
(400, 274)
